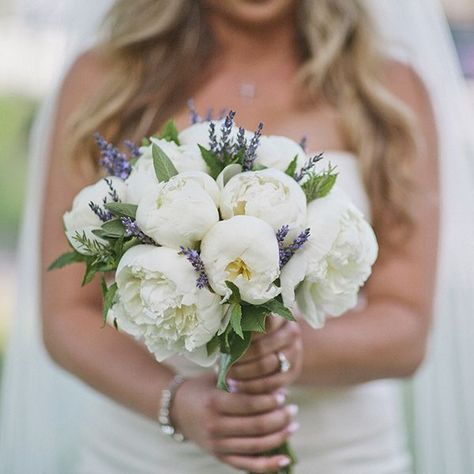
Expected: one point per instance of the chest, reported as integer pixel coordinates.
(273, 101)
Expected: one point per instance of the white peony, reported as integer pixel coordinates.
(142, 179)
(334, 263)
(270, 195)
(158, 301)
(243, 250)
(81, 219)
(278, 152)
(178, 212)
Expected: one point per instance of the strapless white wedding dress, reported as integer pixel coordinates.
(351, 430)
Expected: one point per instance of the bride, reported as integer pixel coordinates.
(309, 68)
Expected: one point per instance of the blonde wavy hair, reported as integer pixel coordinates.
(156, 50)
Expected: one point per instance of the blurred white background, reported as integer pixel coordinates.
(33, 41)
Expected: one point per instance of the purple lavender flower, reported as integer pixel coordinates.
(213, 145)
(226, 129)
(307, 168)
(101, 213)
(133, 148)
(195, 259)
(194, 117)
(208, 116)
(250, 154)
(286, 252)
(113, 160)
(132, 230)
(304, 142)
(241, 140)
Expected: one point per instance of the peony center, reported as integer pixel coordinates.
(238, 267)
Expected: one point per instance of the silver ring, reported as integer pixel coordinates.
(285, 365)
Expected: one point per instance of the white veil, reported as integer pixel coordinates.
(41, 403)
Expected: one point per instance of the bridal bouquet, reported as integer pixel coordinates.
(209, 231)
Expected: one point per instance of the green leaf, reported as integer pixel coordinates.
(109, 296)
(319, 185)
(129, 244)
(213, 162)
(169, 132)
(259, 167)
(213, 345)
(275, 306)
(235, 318)
(291, 170)
(113, 228)
(164, 168)
(238, 346)
(121, 209)
(66, 259)
(235, 297)
(253, 318)
(89, 274)
(146, 142)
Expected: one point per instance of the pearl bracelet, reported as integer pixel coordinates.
(167, 396)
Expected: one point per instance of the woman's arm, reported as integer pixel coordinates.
(388, 337)
(232, 427)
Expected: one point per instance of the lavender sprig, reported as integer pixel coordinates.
(250, 154)
(132, 230)
(194, 117)
(226, 129)
(286, 252)
(241, 140)
(213, 145)
(308, 167)
(101, 213)
(113, 160)
(304, 142)
(133, 148)
(195, 259)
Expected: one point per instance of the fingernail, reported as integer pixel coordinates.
(283, 462)
(292, 409)
(232, 384)
(280, 398)
(293, 427)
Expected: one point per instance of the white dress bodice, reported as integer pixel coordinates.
(345, 430)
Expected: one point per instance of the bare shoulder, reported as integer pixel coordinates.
(84, 78)
(405, 83)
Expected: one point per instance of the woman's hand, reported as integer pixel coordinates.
(258, 371)
(234, 427)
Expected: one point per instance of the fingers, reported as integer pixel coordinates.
(272, 342)
(273, 382)
(273, 323)
(260, 425)
(244, 404)
(254, 445)
(256, 464)
(262, 367)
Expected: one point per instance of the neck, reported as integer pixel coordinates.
(245, 46)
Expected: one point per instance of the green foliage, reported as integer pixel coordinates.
(238, 346)
(164, 167)
(169, 132)
(291, 170)
(235, 319)
(66, 259)
(213, 162)
(112, 229)
(254, 318)
(319, 185)
(16, 116)
(121, 209)
(108, 294)
(276, 306)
